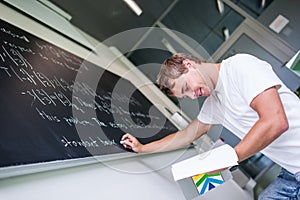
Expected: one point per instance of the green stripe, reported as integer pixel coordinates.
(201, 180)
(206, 176)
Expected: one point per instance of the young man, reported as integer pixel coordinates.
(245, 96)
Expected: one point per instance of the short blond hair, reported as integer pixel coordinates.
(171, 69)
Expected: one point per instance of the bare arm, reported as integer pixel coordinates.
(271, 124)
(171, 142)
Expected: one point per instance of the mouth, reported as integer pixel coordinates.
(198, 93)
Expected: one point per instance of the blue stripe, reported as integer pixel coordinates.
(209, 180)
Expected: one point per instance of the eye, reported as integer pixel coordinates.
(187, 88)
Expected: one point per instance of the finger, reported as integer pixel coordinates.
(129, 138)
(124, 137)
(128, 142)
(127, 146)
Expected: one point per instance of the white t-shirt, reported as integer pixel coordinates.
(242, 77)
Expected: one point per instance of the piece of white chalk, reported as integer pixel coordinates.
(122, 141)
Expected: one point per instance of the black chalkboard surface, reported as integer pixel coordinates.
(48, 114)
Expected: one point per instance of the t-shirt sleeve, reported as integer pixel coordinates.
(252, 76)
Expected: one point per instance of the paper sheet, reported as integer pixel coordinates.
(218, 158)
(279, 23)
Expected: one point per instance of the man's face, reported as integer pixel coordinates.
(191, 84)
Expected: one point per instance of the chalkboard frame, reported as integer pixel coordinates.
(51, 165)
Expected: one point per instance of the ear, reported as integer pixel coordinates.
(187, 63)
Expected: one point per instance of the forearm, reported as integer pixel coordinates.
(171, 142)
(179, 139)
(271, 124)
(168, 143)
(260, 136)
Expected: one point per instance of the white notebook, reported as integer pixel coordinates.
(218, 158)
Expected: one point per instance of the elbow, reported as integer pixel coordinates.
(281, 126)
(284, 126)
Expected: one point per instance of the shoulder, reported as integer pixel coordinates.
(242, 58)
(244, 61)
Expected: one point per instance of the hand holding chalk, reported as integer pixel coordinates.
(125, 146)
(130, 142)
(122, 141)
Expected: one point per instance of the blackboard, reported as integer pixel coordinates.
(49, 114)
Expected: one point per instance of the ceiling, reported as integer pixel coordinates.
(105, 18)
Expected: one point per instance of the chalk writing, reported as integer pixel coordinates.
(47, 108)
(74, 120)
(18, 47)
(90, 142)
(101, 124)
(46, 116)
(6, 70)
(8, 32)
(45, 98)
(60, 57)
(16, 57)
(26, 73)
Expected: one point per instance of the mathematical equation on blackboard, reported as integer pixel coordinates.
(24, 71)
(39, 95)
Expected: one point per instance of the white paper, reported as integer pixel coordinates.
(279, 23)
(218, 158)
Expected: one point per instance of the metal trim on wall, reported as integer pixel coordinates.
(274, 45)
(259, 33)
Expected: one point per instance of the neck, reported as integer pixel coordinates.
(212, 71)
